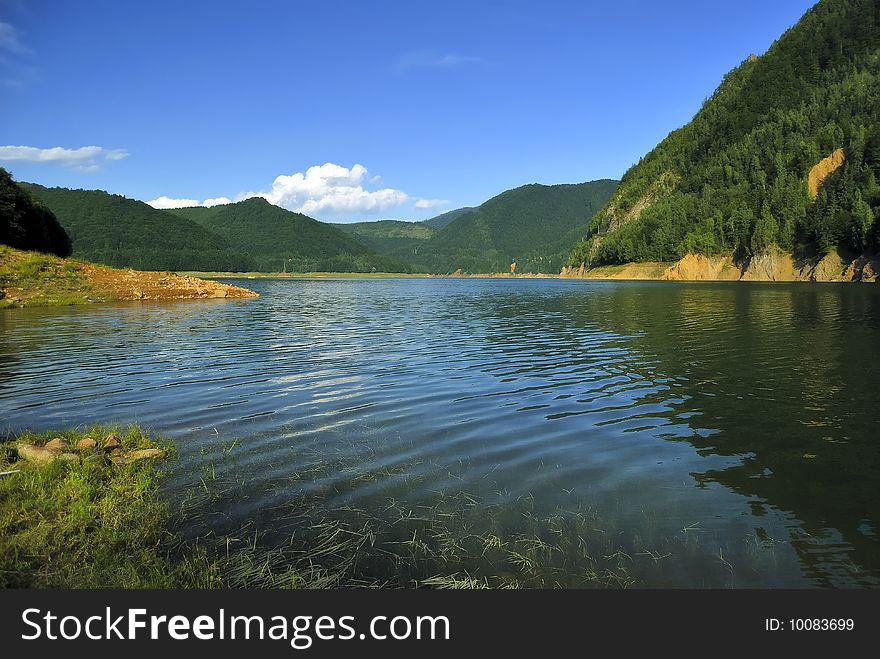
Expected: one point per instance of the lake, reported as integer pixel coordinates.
(532, 432)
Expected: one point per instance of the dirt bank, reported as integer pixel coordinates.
(770, 266)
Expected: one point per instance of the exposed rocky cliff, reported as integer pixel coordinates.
(768, 266)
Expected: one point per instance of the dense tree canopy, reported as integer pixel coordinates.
(125, 233)
(734, 180)
(534, 226)
(26, 223)
(275, 239)
(439, 221)
(389, 236)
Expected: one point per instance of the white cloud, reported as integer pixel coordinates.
(430, 203)
(167, 202)
(85, 158)
(164, 202)
(420, 59)
(9, 40)
(13, 55)
(322, 190)
(216, 201)
(330, 188)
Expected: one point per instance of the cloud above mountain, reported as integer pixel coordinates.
(322, 190)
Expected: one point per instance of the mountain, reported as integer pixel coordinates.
(534, 226)
(784, 155)
(443, 219)
(389, 236)
(125, 233)
(26, 223)
(275, 239)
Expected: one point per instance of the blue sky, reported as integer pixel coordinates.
(356, 110)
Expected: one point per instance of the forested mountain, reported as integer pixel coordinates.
(388, 236)
(443, 219)
(275, 239)
(786, 152)
(26, 223)
(122, 232)
(534, 226)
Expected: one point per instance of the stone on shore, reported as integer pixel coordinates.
(37, 454)
(86, 444)
(111, 442)
(58, 444)
(146, 454)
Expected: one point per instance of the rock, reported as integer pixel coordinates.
(112, 442)
(829, 268)
(696, 267)
(119, 460)
(58, 444)
(146, 454)
(68, 457)
(86, 444)
(36, 454)
(771, 266)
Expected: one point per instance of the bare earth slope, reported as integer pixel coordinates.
(768, 266)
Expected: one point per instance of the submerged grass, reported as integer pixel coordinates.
(92, 523)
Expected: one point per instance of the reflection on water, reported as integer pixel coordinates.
(740, 415)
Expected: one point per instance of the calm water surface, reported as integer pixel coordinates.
(724, 435)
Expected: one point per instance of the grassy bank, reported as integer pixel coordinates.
(36, 279)
(96, 520)
(29, 279)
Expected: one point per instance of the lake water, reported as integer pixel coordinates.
(582, 433)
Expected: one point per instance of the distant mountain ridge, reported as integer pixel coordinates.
(277, 239)
(533, 226)
(440, 221)
(389, 236)
(126, 233)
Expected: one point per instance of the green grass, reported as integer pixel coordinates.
(37, 279)
(95, 524)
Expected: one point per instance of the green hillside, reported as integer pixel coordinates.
(386, 236)
(534, 226)
(125, 233)
(275, 239)
(735, 179)
(26, 223)
(443, 219)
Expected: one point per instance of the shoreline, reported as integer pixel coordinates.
(772, 266)
(35, 279)
(363, 275)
